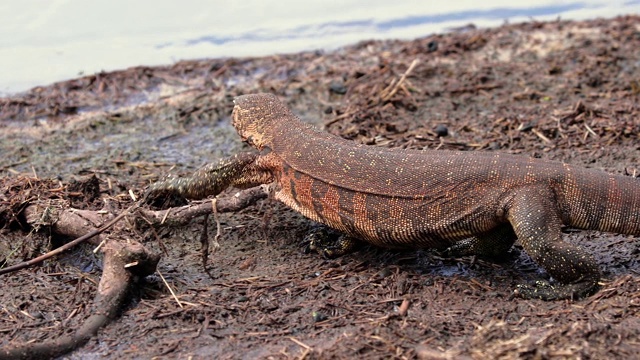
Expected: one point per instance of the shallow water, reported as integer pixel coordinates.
(43, 42)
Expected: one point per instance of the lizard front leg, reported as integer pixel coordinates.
(242, 170)
(537, 223)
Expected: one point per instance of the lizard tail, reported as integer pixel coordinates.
(599, 201)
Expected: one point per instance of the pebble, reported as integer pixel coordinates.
(337, 88)
(441, 130)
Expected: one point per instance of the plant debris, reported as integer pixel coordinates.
(559, 90)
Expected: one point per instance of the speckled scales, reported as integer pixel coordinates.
(431, 199)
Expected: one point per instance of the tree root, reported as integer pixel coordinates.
(69, 225)
(118, 275)
(183, 215)
(124, 261)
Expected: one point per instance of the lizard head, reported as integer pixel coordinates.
(256, 117)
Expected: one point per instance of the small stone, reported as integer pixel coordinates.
(318, 316)
(384, 272)
(37, 314)
(432, 46)
(441, 130)
(526, 126)
(337, 88)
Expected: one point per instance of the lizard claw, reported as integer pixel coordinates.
(540, 289)
(546, 291)
(327, 242)
(318, 240)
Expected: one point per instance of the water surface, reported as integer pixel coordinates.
(46, 41)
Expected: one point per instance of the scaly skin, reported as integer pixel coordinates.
(470, 202)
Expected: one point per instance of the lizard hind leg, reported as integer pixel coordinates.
(328, 242)
(536, 221)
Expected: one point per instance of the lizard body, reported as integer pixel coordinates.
(474, 202)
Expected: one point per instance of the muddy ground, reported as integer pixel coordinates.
(562, 90)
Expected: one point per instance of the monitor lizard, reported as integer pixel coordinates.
(469, 202)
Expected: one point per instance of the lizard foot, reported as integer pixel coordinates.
(466, 248)
(328, 242)
(545, 291)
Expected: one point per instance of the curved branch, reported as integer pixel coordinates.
(116, 279)
(122, 260)
(183, 215)
(67, 225)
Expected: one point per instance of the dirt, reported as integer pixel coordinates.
(560, 90)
